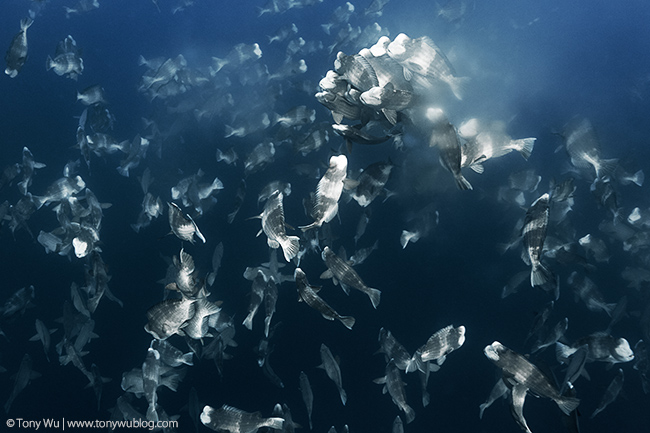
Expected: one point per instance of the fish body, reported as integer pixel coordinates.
(441, 344)
(308, 295)
(534, 234)
(274, 227)
(371, 182)
(17, 52)
(445, 138)
(183, 226)
(523, 377)
(348, 277)
(331, 367)
(307, 396)
(394, 385)
(235, 420)
(393, 350)
(328, 192)
(167, 317)
(601, 347)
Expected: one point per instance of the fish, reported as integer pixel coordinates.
(356, 135)
(44, 335)
(307, 396)
(371, 182)
(18, 302)
(256, 298)
(17, 52)
(394, 385)
(440, 344)
(261, 156)
(150, 381)
(343, 273)
(552, 337)
(395, 352)
(60, 190)
(67, 59)
(92, 95)
(523, 377)
(602, 347)
(270, 188)
(28, 167)
(331, 367)
(216, 263)
(445, 138)
(239, 200)
(273, 226)
(170, 355)
(235, 420)
(613, 390)
(500, 389)
(22, 378)
(328, 192)
(586, 290)
(183, 226)
(167, 317)
(308, 294)
(583, 147)
(534, 234)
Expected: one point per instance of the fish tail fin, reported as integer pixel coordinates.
(458, 86)
(462, 183)
(607, 166)
(426, 398)
(25, 23)
(344, 396)
(290, 247)
(525, 146)
(539, 275)
(38, 201)
(248, 322)
(348, 321)
(409, 413)
(229, 131)
(481, 409)
(374, 296)
(638, 178)
(187, 358)
(567, 404)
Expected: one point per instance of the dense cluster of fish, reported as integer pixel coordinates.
(392, 91)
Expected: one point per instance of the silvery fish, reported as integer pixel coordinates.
(602, 347)
(523, 376)
(444, 137)
(343, 273)
(534, 234)
(183, 226)
(274, 228)
(307, 396)
(92, 95)
(328, 192)
(307, 293)
(441, 344)
(332, 369)
(371, 182)
(394, 351)
(17, 52)
(67, 59)
(394, 385)
(167, 317)
(235, 420)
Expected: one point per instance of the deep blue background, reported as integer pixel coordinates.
(534, 66)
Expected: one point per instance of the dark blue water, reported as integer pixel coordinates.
(532, 67)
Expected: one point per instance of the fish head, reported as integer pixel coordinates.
(622, 351)
(492, 351)
(339, 163)
(461, 335)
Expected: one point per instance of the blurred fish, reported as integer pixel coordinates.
(500, 389)
(602, 347)
(444, 137)
(67, 59)
(588, 292)
(307, 396)
(235, 420)
(343, 274)
(183, 226)
(92, 95)
(394, 385)
(523, 376)
(376, 8)
(612, 391)
(371, 182)
(395, 352)
(534, 234)
(17, 52)
(260, 157)
(18, 302)
(271, 188)
(583, 147)
(167, 317)
(274, 227)
(308, 294)
(82, 6)
(22, 378)
(328, 192)
(28, 167)
(331, 367)
(44, 335)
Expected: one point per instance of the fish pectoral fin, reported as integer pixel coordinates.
(259, 233)
(327, 274)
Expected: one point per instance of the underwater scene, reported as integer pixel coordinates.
(328, 216)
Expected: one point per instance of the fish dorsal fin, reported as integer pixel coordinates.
(338, 117)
